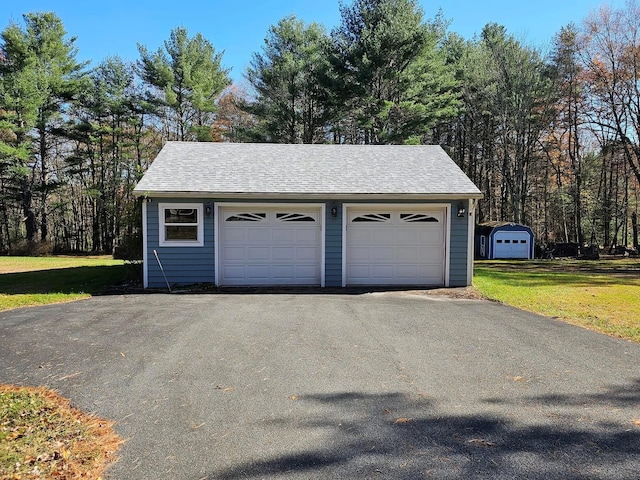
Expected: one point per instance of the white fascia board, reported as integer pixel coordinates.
(316, 196)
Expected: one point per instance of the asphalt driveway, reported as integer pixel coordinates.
(383, 385)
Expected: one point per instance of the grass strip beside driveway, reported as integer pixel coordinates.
(600, 295)
(28, 281)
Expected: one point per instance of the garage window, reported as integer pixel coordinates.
(294, 217)
(247, 217)
(417, 217)
(181, 224)
(373, 217)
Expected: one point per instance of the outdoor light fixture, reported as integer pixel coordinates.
(461, 210)
(207, 209)
(334, 212)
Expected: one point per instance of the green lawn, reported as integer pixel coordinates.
(602, 295)
(26, 281)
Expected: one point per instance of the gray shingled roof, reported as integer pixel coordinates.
(252, 169)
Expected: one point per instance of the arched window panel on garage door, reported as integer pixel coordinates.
(418, 218)
(246, 217)
(295, 217)
(372, 217)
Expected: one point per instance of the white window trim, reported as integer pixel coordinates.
(163, 242)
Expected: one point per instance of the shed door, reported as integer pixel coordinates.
(511, 244)
(269, 246)
(395, 246)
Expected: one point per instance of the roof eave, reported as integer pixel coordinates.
(318, 196)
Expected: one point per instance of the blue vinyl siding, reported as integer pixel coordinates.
(333, 246)
(189, 265)
(182, 265)
(458, 246)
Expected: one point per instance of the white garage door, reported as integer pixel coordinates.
(511, 244)
(395, 246)
(269, 246)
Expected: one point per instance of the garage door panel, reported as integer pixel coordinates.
(307, 254)
(435, 254)
(409, 236)
(306, 235)
(428, 236)
(257, 271)
(308, 272)
(233, 235)
(282, 271)
(383, 254)
(258, 253)
(258, 234)
(283, 253)
(406, 271)
(234, 272)
(358, 254)
(233, 253)
(269, 246)
(408, 254)
(358, 236)
(382, 272)
(359, 271)
(382, 236)
(284, 235)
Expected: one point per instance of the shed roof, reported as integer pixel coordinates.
(234, 170)
(487, 227)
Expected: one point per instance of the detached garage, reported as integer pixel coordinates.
(313, 215)
(495, 240)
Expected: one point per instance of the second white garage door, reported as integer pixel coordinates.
(269, 246)
(395, 246)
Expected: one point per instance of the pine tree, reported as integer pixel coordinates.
(392, 74)
(40, 79)
(188, 76)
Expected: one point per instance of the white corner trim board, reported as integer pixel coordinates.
(145, 243)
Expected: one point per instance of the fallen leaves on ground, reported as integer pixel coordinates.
(402, 420)
(481, 442)
(48, 438)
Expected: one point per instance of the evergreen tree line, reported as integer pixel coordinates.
(551, 137)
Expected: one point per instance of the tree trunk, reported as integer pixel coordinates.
(44, 181)
(29, 216)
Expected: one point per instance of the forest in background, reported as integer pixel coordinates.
(550, 136)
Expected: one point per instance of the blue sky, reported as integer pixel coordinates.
(238, 27)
